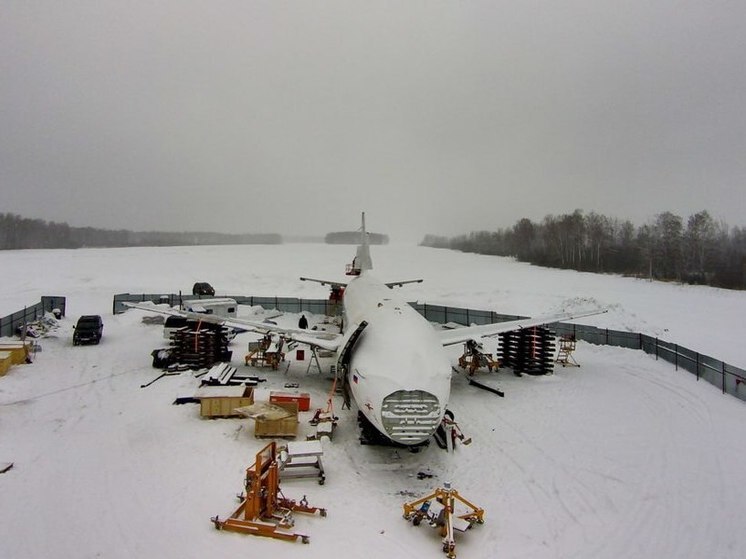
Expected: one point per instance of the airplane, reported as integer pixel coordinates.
(390, 359)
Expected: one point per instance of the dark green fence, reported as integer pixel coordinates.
(9, 324)
(284, 304)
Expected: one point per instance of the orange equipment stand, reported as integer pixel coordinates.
(265, 511)
(472, 359)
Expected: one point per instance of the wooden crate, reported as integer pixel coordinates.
(19, 351)
(222, 401)
(6, 360)
(287, 427)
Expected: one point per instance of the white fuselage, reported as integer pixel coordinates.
(399, 374)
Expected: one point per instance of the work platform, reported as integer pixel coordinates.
(302, 460)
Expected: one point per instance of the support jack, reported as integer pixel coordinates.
(265, 511)
(439, 510)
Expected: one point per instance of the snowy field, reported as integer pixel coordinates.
(623, 457)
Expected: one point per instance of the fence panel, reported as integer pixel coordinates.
(619, 338)
(11, 322)
(686, 359)
(288, 304)
(318, 306)
(711, 370)
(481, 317)
(735, 381)
(435, 313)
(590, 334)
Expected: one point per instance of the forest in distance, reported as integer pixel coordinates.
(699, 251)
(17, 232)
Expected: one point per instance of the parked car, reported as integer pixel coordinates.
(203, 288)
(88, 330)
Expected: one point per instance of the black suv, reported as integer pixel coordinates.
(88, 330)
(202, 288)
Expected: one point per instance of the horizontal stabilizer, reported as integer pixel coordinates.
(326, 282)
(392, 284)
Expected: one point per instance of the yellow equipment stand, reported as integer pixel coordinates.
(265, 511)
(564, 355)
(446, 518)
(267, 353)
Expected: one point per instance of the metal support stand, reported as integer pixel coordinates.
(314, 359)
(564, 355)
(439, 510)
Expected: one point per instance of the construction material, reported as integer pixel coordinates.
(485, 386)
(303, 399)
(165, 374)
(439, 509)
(200, 348)
(223, 374)
(223, 401)
(528, 350)
(264, 511)
(219, 374)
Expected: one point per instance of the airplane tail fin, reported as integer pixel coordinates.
(362, 259)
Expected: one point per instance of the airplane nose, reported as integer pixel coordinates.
(410, 417)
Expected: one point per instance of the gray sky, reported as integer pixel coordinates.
(432, 116)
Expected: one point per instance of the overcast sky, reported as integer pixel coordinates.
(432, 116)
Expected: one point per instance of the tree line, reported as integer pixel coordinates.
(700, 250)
(18, 232)
(353, 238)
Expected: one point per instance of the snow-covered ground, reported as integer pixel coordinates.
(623, 457)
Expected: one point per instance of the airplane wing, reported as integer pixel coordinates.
(392, 284)
(320, 339)
(460, 335)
